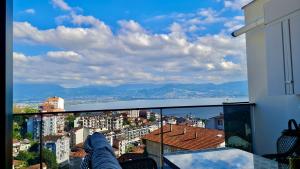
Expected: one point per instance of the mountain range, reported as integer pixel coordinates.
(39, 92)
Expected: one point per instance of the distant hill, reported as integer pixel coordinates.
(38, 92)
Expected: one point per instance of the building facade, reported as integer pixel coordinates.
(275, 93)
(60, 146)
(52, 104)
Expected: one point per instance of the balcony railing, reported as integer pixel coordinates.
(56, 137)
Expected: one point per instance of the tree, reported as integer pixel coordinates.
(34, 147)
(152, 119)
(29, 109)
(70, 121)
(29, 136)
(16, 131)
(126, 122)
(49, 158)
(17, 109)
(129, 148)
(28, 157)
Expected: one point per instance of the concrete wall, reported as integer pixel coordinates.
(271, 113)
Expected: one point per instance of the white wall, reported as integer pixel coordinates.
(271, 113)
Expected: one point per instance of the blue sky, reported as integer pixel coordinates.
(111, 42)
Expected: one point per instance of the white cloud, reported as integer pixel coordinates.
(29, 11)
(235, 4)
(64, 56)
(61, 4)
(96, 55)
(210, 16)
(84, 20)
(234, 24)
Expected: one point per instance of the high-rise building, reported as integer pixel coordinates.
(60, 146)
(53, 104)
(52, 125)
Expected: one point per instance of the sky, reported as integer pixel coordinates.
(112, 42)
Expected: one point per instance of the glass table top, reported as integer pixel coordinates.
(223, 158)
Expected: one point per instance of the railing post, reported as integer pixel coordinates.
(41, 141)
(6, 36)
(161, 138)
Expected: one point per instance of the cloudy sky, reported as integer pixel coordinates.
(112, 42)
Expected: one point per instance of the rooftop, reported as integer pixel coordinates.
(187, 137)
(52, 137)
(79, 153)
(36, 166)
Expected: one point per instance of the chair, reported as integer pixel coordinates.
(288, 145)
(130, 156)
(142, 163)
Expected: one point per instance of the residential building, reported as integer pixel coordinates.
(153, 127)
(16, 147)
(114, 122)
(145, 114)
(272, 42)
(98, 121)
(77, 136)
(172, 121)
(180, 137)
(25, 145)
(53, 104)
(52, 125)
(120, 145)
(216, 122)
(198, 122)
(77, 122)
(103, 122)
(134, 134)
(133, 113)
(60, 146)
(33, 126)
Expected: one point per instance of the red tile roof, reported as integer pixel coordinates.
(37, 166)
(205, 138)
(80, 153)
(52, 137)
(79, 145)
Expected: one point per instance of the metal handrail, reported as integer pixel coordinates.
(134, 108)
(41, 114)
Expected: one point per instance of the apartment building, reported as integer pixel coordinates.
(77, 136)
(216, 122)
(94, 121)
(60, 146)
(115, 122)
(145, 114)
(52, 125)
(33, 126)
(133, 113)
(120, 145)
(134, 134)
(103, 121)
(53, 104)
